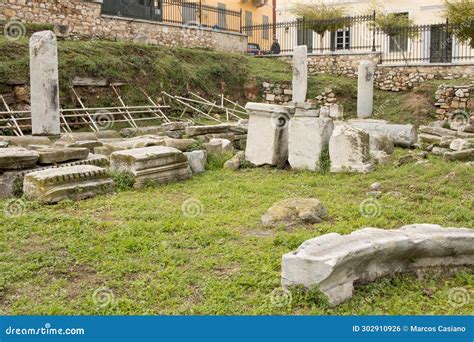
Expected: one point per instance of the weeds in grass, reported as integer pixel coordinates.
(216, 161)
(325, 160)
(124, 181)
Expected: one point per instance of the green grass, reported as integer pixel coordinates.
(138, 247)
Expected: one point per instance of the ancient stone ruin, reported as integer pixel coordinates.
(334, 263)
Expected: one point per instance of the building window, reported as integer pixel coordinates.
(399, 41)
(341, 39)
(266, 27)
(248, 23)
(221, 8)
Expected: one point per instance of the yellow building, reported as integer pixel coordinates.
(254, 12)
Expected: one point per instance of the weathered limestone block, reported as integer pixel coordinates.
(130, 132)
(429, 138)
(44, 82)
(192, 131)
(197, 161)
(401, 135)
(439, 131)
(15, 158)
(334, 262)
(308, 136)
(10, 179)
(145, 141)
(295, 211)
(267, 139)
(349, 150)
(156, 164)
(460, 144)
(300, 73)
(380, 142)
(464, 155)
(235, 162)
(67, 183)
(25, 141)
(180, 144)
(219, 147)
(365, 90)
(54, 155)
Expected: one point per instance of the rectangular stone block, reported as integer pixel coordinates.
(17, 158)
(54, 155)
(157, 164)
(308, 136)
(203, 130)
(67, 183)
(267, 139)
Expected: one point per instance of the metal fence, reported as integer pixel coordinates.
(416, 44)
(186, 13)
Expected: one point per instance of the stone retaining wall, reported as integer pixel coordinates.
(450, 99)
(81, 19)
(281, 93)
(387, 77)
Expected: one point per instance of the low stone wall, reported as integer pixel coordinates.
(81, 19)
(450, 99)
(387, 77)
(403, 78)
(281, 93)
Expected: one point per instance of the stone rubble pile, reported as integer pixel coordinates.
(447, 143)
(148, 153)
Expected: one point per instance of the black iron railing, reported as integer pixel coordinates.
(416, 44)
(186, 13)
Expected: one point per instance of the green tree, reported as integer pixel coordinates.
(320, 17)
(461, 14)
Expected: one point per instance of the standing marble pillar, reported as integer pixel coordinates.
(300, 73)
(365, 90)
(44, 84)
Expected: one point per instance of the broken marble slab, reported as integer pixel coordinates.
(156, 164)
(25, 141)
(349, 150)
(67, 183)
(15, 158)
(144, 141)
(192, 131)
(56, 154)
(333, 263)
(197, 161)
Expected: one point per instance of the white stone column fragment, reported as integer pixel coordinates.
(44, 81)
(300, 73)
(365, 90)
